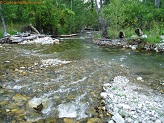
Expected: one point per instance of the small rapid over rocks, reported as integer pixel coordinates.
(64, 83)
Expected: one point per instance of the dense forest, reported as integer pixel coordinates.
(71, 16)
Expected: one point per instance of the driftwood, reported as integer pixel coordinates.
(65, 36)
(19, 37)
(34, 29)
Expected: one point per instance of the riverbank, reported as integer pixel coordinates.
(130, 103)
(134, 44)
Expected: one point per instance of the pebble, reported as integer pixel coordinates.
(139, 78)
(118, 118)
(162, 119)
(111, 121)
(158, 121)
(22, 67)
(124, 106)
(103, 95)
(7, 110)
(129, 120)
(135, 121)
(7, 61)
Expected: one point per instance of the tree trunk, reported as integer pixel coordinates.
(102, 21)
(157, 3)
(3, 23)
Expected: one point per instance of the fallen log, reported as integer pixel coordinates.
(20, 39)
(34, 29)
(65, 36)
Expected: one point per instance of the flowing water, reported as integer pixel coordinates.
(67, 78)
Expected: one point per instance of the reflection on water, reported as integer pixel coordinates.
(68, 90)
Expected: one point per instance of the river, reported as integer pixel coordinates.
(67, 78)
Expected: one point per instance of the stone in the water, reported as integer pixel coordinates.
(7, 61)
(19, 99)
(7, 110)
(103, 95)
(67, 120)
(39, 107)
(94, 120)
(134, 47)
(139, 78)
(35, 102)
(67, 110)
(118, 118)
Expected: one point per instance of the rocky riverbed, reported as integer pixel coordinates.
(63, 84)
(126, 104)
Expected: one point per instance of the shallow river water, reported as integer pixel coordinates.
(67, 78)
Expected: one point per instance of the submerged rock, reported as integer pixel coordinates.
(94, 120)
(38, 103)
(67, 120)
(19, 99)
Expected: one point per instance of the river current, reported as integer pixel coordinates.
(68, 77)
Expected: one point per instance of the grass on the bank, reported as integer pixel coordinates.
(11, 29)
(153, 35)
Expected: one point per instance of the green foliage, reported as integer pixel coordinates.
(97, 36)
(114, 13)
(53, 17)
(153, 36)
(11, 29)
(70, 16)
(130, 14)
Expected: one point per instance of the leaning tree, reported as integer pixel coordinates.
(3, 23)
